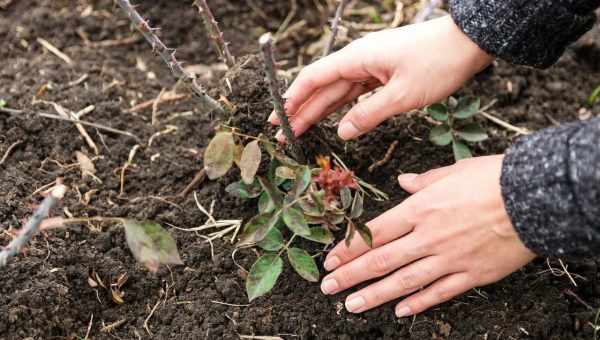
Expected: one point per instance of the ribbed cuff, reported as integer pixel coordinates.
(532, 33)
(542, 195)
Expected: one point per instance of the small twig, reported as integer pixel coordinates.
(506, 125)
(168, 56)
(57, 117)
(335, 23)
(169, 96)
(69, 114)
(227, 304)
(426, 11)
(286, 22)
(9, 150)
(127, 164)
(386, 158)
(198, 179)
(215, 34)
(579, 299)
(169, 129)
(112, 326)
(55, 51)
(32, 226)
(155, 107)
(151, 313)
(89, 329)
(564, 267)
(266, 45)
(260, 337)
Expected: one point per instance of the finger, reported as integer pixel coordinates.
(315, 108)
(368, 113)
(389, 226)
(414, 183)
(343, 64)
(358, 90)
(377, 262)
(403, 282)
(441, 291)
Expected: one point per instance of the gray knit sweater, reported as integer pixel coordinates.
(551, 179)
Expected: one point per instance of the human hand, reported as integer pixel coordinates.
(451, 235)
(417, 64)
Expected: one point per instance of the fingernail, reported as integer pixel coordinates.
(347, 130)
(280, 137)
(331, 263)
(355, 305)
(329, 286)
(273, 118)
(406, 178)
(402, 312)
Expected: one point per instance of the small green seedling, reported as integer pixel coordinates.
(2, 103)
(594, 96)
(457, 127)
(294, 201)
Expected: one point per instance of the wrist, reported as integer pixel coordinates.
(476, 59)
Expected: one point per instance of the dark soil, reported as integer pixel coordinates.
(46, 295)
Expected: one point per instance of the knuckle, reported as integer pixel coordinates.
(407, 282)
(360, 116)
(380, 263)
(441, 295)
(345, 277)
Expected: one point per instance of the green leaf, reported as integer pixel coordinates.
(460, 150)
(295, 221)
(273, 241)
(258, 227)
(320, 235)
(310, 208)
(150, 244)
(438, 112)
(265, 204)
(263, 275)
(350, 231)
(285, 172)
(2, 103)
(250, 161)
(218, 156)
(302, 180)
(274, 194)
(280, 156)
(472, 133)
(357, 206)
(318, 198)
(365, 233)
(592, 100)
(346, 197)
(303, 264)
(243, 190)
(272, 173)
(440, 135)
(334, 218)
(467, 107)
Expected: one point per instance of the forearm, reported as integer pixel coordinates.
(551, 189)
(533, 33)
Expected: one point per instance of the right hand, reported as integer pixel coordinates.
(417, 65)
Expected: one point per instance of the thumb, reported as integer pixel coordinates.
(368, 113)
(414, 182)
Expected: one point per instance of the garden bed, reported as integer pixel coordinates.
(46, 294)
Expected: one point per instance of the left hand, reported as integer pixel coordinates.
(451, 235)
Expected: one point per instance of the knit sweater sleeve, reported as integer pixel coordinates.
(526, 32)
(551, 188)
